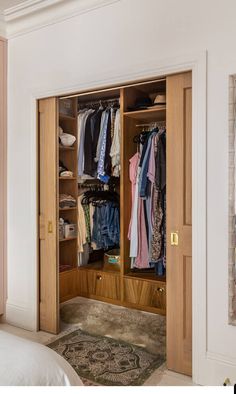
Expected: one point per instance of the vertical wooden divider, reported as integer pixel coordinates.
(122, 191)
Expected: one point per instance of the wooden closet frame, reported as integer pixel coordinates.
(132, 287)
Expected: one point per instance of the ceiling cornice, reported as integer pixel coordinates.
(27, 7)
(35, 14)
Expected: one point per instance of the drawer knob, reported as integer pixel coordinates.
(160, 289)
(99, 277)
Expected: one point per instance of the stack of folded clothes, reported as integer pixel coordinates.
(63, 171)
(66, 201)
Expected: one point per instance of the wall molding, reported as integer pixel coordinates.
(232, 202)
(27, 7)
(3, 174)
(20, 316)
(220, 358)
(32, 15)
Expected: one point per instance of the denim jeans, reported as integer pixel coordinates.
(106, 225)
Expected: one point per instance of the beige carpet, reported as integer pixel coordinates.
(139, 328)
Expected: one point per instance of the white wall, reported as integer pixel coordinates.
(115, 40)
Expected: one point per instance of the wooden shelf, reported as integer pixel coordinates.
(97, 266)
(66, 117)
(146, 276)
(69, 269)
(68, 209)
(152, 114)
(67, 178)
(68, 239)
(66, 148)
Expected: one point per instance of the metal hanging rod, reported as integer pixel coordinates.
(160, 123)
(99, 102)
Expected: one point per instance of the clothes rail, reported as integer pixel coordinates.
(153, 124)
(99, 102)
(97, 186)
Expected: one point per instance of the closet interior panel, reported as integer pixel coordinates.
(68, 285)
(76, 192)
(67, 210)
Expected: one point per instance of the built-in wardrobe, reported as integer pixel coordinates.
(62, 277)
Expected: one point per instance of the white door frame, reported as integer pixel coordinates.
(154, 68)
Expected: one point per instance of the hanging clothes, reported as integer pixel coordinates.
(92, 132)
(115, 147)
(81, 135)
(148, 217)
(98, 222)
(134, 170)
(99, 143)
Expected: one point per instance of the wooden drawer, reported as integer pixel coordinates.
(67, 286)
(98, 284)
(104, 285)
(145, 293)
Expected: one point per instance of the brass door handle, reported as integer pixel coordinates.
(50, 227)
(174, 238)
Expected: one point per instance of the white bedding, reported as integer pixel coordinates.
(26, 363)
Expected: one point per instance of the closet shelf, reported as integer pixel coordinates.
(66, 268)
(146, 276)
(67, 148)
(67, 239)
(66, 117)
(152, 114)
(98, 267)
(67, 178)
(68, 209)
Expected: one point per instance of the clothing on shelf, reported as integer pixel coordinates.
(98, 222)
(66, 201)
(99, 142)
(64, 267)
(147, 227)
(63, 170)
(65, 139)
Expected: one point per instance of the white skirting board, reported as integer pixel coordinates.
(19, 316)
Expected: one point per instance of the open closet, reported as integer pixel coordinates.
(115, 203)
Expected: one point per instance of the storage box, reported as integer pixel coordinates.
(112, 260)
(61, 231)
(66, 107)
(70, 230)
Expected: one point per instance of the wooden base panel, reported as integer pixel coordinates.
(144, 308)
(137, 293)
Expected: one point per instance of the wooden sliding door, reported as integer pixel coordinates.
(179, 223)
(48, 190)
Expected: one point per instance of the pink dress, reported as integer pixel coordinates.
(133, 226)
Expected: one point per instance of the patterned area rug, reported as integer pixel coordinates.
(105, 361)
